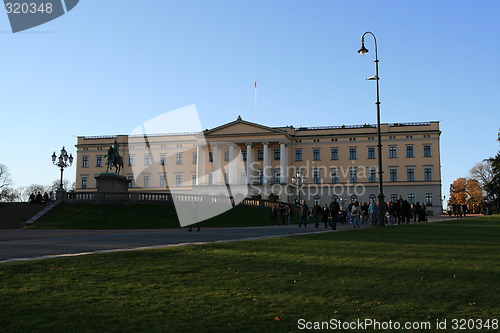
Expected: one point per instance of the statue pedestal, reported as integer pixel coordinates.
(112, 182)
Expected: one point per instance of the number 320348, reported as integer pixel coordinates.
(28, 7)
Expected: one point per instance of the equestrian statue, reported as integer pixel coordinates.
(114, 158)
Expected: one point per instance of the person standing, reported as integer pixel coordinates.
(273, 215)
(304, 211)
(316, 211)
(334, 212)
(325, 213)
(373, 213)
(355, 214)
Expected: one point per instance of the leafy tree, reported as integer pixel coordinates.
(458, 193)
(493, 187)
(466, 191)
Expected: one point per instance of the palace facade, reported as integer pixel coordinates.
(285, 163)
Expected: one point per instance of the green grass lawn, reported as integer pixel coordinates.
(410, 273)
(108, 216)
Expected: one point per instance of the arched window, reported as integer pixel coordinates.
(373, 197)
(354, 198)
(317, 199)
(335, 198)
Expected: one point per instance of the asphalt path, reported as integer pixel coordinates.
(21, 245)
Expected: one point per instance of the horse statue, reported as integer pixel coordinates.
(114, 158)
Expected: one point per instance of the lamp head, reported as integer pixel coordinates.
(363, 50)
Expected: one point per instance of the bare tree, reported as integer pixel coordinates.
(5, 180)
(482, 172)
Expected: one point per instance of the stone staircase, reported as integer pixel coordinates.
(15, 215)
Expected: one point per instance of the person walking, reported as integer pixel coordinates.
(355, 214)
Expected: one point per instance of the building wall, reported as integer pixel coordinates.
(156, 162)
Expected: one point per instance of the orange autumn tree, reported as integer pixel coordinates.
(466, 191)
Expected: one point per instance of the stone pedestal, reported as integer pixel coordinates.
(112, 182)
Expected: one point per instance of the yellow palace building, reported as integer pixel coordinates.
(278, 163)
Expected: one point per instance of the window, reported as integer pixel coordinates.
(427, 151)
(211, 156)
(243, 177)
(371, 152)
(276, 178)
(334, 154)
(163, 159)
(411, 197)
(163, 181)
(353, 175)
(428, 174)
(85, 181)
(393, 175)
(85, 162)
(179, 159)
(146, 181)
(131, 160)
(393, 153)
(334, 174)
(352, 153)
(372, 177)
(394, 197)
(410, 175)
(178, 180)
(316, 155)
(244, 155)
(277, 154)
(195, 158)
(335, 198)
(98, 162)
(147, 159)
(317, 199)
(260, 177)
(193, 179)
(372, 198)
(298, 154)
(130, 181)
(409, 151)
(226, 156)
(316, 176)
(354, 198)
(428, 199)
(260, 155)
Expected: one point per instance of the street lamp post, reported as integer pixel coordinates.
(63, 161)
(381, 205)
(298, 181)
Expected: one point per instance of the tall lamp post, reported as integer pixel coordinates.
(298, 181)
(63, 161)
(381, 206)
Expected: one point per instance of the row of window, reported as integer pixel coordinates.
(393, 197)
(334, 155)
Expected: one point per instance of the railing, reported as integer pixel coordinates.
(160, 198)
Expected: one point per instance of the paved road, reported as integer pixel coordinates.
(17, 245)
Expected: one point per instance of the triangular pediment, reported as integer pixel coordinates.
(240, 128)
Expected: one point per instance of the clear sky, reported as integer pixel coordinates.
(108, 66)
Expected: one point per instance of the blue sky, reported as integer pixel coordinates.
(108, 66)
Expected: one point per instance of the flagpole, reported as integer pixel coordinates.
(255, 102)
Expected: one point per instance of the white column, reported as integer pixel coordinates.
(267, 164)
(283, 163)
(216, 165)
(250, 171)
(200, 165)
(233, 165)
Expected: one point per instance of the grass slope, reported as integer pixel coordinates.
(409, 273)
(108, 216)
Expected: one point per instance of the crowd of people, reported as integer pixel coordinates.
(356, 213)
(40, 199)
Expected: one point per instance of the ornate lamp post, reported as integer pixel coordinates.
(298, 182)
(381, 206)
(63, 161)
